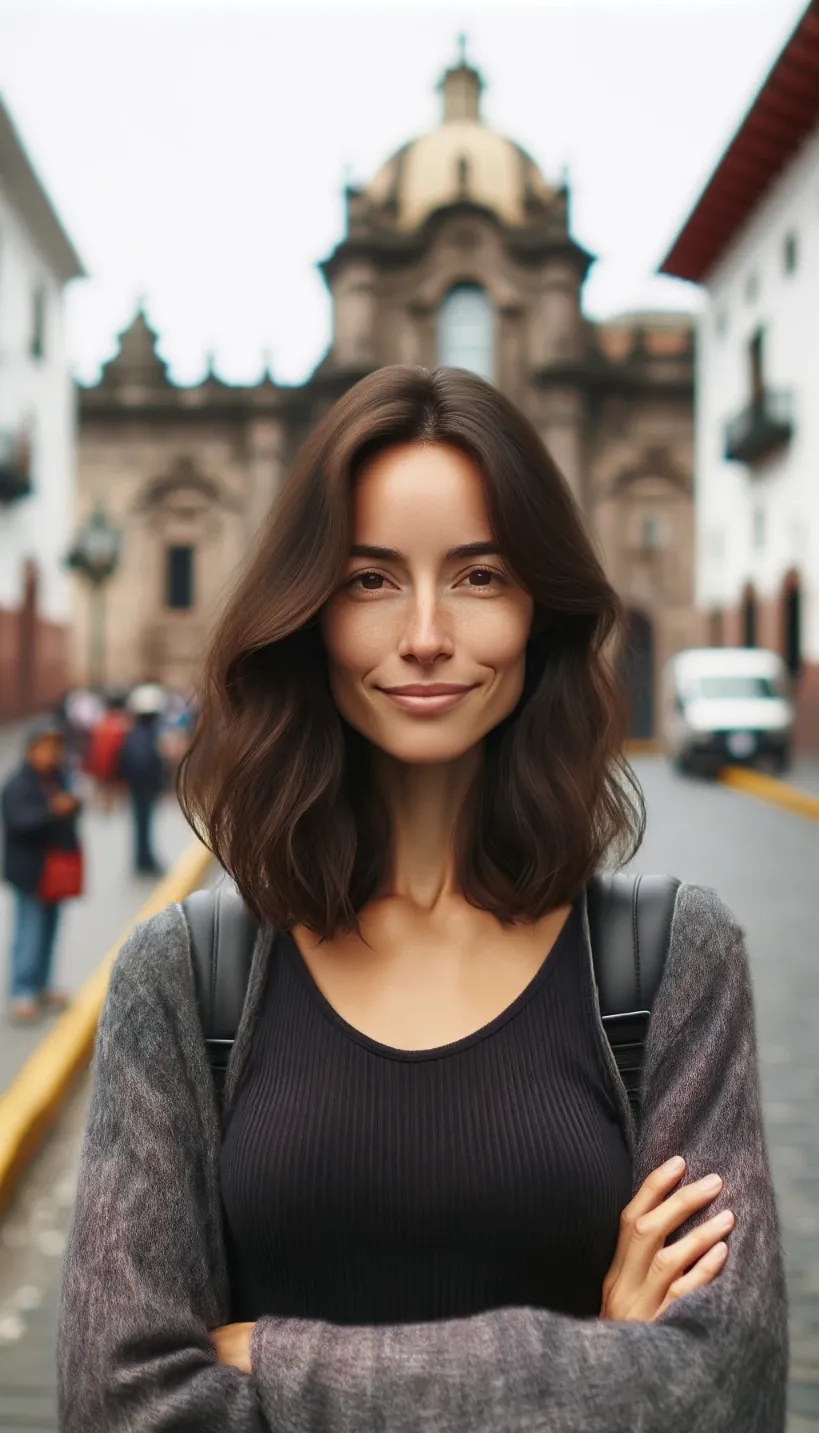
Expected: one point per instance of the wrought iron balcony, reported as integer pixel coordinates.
(15, 467)
(760, 429)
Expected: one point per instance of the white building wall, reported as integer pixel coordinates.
(785, 489)
(39, 393)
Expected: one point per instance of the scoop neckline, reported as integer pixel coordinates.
(455, 1047)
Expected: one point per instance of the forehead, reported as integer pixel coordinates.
(420, 490)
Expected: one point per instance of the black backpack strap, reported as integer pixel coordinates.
(630, 927)
(223, 937)
(629, 924)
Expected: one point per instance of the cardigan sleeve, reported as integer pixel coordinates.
(141, 1281)
(717, 1358)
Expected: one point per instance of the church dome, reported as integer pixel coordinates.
(462, 160)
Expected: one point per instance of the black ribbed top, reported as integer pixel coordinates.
(363, 1184)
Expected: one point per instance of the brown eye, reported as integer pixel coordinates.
(482, 577)
(367, 581)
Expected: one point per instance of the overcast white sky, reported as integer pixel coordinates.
(196, 149)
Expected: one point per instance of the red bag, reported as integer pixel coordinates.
(62, 877)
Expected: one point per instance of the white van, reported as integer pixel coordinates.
(727, 705)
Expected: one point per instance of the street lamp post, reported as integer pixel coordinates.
(95, 556)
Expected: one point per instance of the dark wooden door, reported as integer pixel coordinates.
(792, 624)
(27, 648)
(637, 674)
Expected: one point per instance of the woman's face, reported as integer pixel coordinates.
(426, 635)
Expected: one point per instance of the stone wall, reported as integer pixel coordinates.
(33, 664)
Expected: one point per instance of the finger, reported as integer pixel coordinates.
(653, 1190)
(647, 1252)
(704, 1272)
(672, 1261)
(682, 1254)
(657, 1224)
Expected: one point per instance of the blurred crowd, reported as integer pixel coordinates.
(106, 748)
(95, 723)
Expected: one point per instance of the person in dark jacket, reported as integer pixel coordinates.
(142, 768)
(39, 816)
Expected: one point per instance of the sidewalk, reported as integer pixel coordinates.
(91, 925)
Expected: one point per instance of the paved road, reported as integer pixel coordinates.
(764, 864)
(805, 775)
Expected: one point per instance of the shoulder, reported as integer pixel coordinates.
(154, 965)
(149, 1053)
(19, 781)
(702, 918)
(706, 973)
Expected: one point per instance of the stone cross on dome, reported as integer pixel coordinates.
(461, 87)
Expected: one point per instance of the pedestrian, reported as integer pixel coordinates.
(105, 748)
(142, 767)
(175, 733)
(426, 1202)
(84, 707)
(43, 864)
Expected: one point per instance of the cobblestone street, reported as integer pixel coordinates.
(763, 862)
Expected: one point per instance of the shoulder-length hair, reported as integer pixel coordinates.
(277, 784)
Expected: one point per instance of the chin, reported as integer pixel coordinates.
(427, 748)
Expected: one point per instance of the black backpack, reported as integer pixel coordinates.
(629, 921)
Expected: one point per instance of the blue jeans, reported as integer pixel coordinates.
(32, 945)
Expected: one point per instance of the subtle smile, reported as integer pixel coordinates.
(427, 697)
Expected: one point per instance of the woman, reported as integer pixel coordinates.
(427, 1206)
(43, 866)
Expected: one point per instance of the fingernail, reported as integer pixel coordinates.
(713, 1181)
(676, 1164)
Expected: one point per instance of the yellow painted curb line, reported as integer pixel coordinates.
(31, 1102)
(767, 788)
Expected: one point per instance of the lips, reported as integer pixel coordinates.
(427, 689)
(427, 698)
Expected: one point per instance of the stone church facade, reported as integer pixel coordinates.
(457, 252)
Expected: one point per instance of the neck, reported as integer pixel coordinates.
(423, 803)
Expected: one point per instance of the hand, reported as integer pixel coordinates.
(63, 804)
(232, 1344)
(646, 1275)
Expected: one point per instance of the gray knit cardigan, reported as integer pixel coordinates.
(144, 1275)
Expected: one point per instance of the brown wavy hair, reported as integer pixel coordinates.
(278, 785)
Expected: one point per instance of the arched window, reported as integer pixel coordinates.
(466, 331)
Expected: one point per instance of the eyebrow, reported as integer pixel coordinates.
(390, 554)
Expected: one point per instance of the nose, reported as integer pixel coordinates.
(426, 636)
